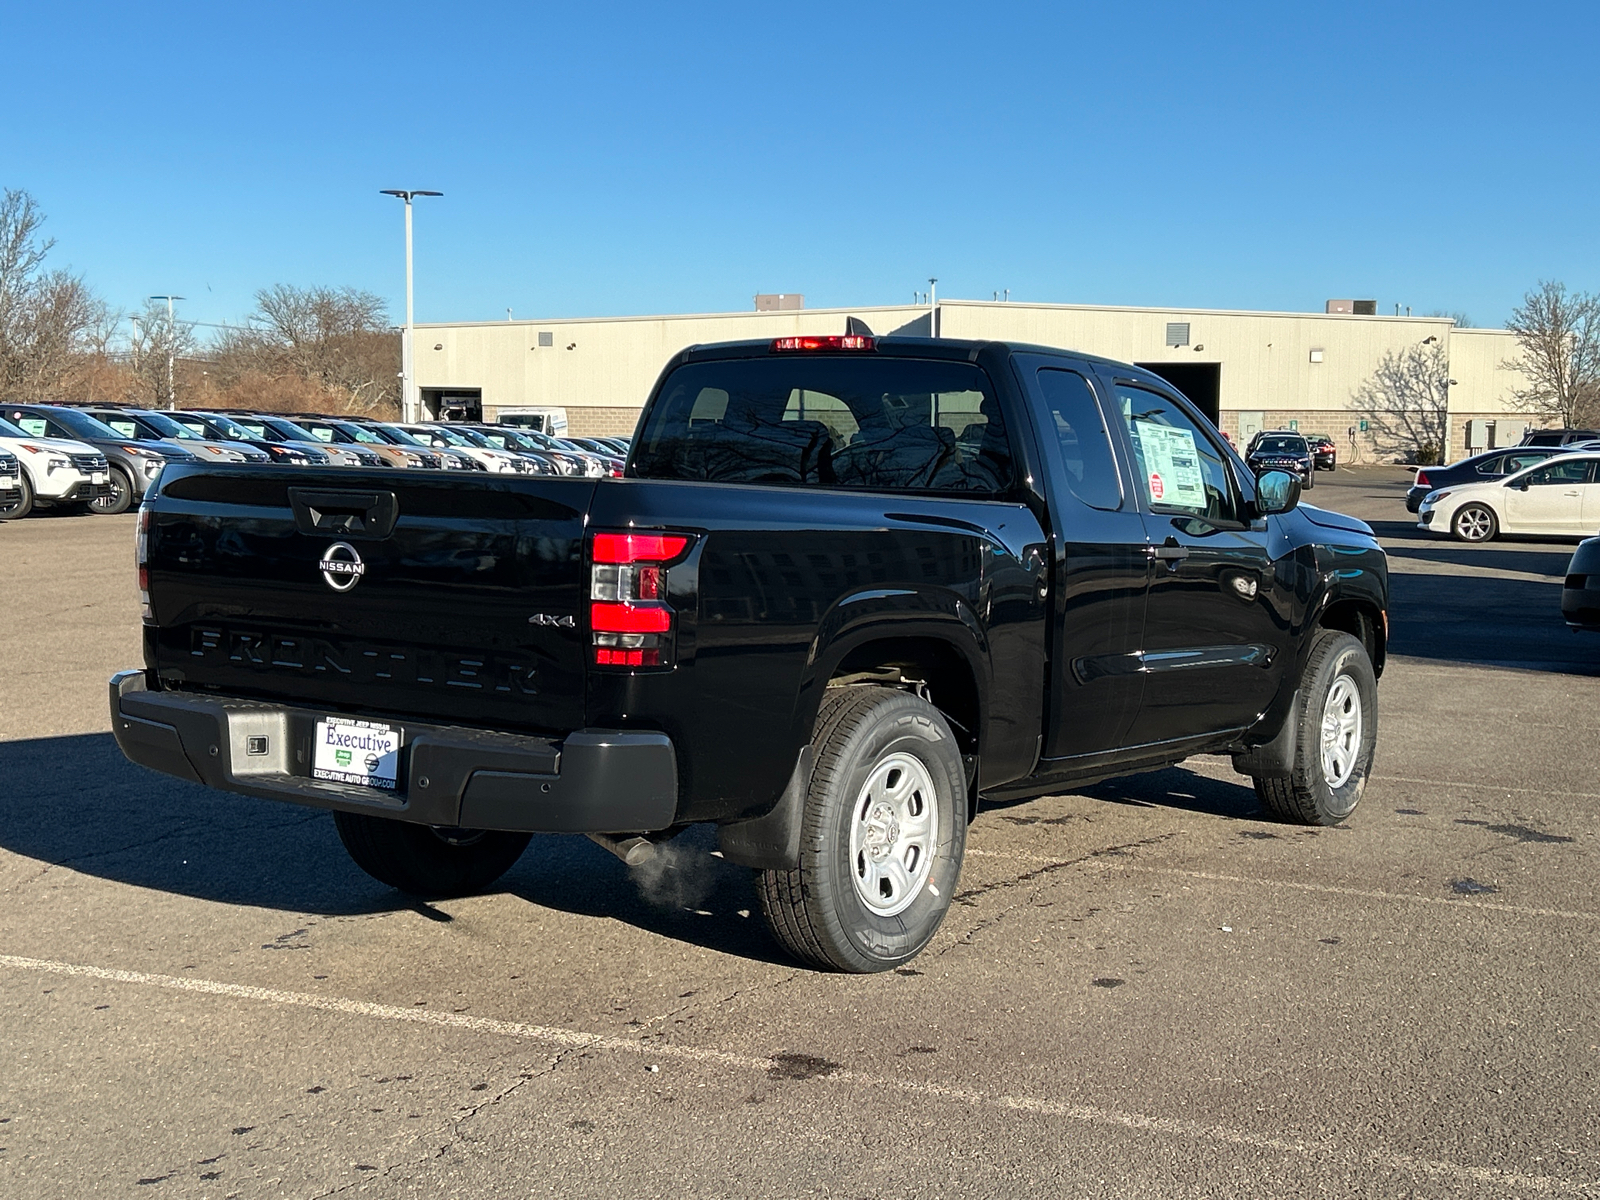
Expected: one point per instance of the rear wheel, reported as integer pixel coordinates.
(1474, 523)
(1336, 733)
(884, 832)
(118, 497)
(421, 860)
(18, 504)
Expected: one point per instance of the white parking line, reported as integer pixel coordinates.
(1323, 1151)
(1107, 865)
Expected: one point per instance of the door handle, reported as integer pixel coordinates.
(1171, 552)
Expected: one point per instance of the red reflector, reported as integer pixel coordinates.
(628, 618)
(848, 341)
(626, 658)
(637, 547)
(144, 578)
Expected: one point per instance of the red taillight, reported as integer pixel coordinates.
(637, 547)
(836, 341)
(141, 557)
(1423, 480)
(629, 620)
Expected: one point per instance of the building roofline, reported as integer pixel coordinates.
(857, 310)
(1200, 312)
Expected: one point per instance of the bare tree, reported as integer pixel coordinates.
(1406, 400)
(158, 341)
(44, 315)
(336, 342)
(1460, 318)
(1559, 334)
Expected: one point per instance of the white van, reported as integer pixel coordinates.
(545, 419)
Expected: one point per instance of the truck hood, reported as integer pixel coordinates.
(1333, 520)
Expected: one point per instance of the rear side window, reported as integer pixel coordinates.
(33, 426)
(1081, 433)
(1491, 466)
(880, 424)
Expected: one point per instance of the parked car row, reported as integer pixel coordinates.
(103, 458)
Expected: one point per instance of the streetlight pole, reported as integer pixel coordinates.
(172, 329)
(933, 307)
(409, 402)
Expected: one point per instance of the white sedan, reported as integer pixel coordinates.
(1559, 496)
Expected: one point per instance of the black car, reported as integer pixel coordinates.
(1324, 453)
(1492, 464)
(134, 466)
(1559, 437)
(1283, 450)
(972, 571)
(1580, 595)
(225, 429)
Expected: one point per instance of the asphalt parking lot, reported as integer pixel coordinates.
(1143, 990)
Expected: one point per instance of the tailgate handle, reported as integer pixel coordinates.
(347, 514)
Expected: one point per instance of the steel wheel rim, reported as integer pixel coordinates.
(1473, 524)
(1341, 732)
(894, 828)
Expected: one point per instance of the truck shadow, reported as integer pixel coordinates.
(77, 804)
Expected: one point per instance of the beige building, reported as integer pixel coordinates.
(1247, 370)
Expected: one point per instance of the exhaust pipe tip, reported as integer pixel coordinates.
(631, 850)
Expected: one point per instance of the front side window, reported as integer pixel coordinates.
(1516, 462)
(1178, 466)
(1081, 433)
(880, 424)
(1556, 474)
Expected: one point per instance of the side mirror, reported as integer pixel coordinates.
(1276, 492)
(1521, 485)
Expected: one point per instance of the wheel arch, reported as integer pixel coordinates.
(1365, 620)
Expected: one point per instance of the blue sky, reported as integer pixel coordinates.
(610, 159)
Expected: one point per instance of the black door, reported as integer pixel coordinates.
(1100, 567)
(1216, 626)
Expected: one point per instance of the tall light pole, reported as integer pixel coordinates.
(172, 329)
(409, 403)
(933, 307)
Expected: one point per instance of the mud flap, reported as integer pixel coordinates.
(1274, 758)
(772, 842)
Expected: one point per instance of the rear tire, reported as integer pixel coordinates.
(883, 835)
(16, 505)
(420, 860)
(1336, 733)
(119, 499)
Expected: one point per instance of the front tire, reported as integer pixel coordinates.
(430, 863)
(16, 505)
(1336, 734)
(118, 499)
(883, 836)
(1311, 479)
(1475, 523)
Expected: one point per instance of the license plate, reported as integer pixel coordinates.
(357, 752)
(98, 477)
(8, 483)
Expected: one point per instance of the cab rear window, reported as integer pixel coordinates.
(879, 424)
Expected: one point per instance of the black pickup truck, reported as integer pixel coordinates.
(848, 589)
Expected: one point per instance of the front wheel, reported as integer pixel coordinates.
(884, 832)
(1336, 734)
(1474, 523)
(118, 496)
(1311, 479)
(14, 505)
(425, 861)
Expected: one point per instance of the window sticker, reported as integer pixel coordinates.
(1173, 465)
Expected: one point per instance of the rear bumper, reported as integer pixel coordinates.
(591, 781)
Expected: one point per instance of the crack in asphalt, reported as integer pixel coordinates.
(454, 1127)
(969, 898)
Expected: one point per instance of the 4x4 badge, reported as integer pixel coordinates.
(341, 566)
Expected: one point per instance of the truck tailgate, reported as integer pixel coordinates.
(380, 591)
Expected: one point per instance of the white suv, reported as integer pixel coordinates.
(54, 471)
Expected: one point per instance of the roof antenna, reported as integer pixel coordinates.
(856, 327)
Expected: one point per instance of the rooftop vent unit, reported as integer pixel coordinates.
(1354, 308)
(780, 302)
